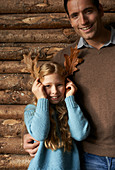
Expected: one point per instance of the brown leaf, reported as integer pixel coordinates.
(72, 61)
(31, 65)
(35, 68)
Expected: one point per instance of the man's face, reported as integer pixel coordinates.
(85, 18)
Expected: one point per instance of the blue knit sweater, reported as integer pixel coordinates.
(38, 125)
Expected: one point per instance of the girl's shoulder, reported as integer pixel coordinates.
(30, 107)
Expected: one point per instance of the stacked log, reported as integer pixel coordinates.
(28, 25)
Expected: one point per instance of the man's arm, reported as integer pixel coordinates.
(29, 145)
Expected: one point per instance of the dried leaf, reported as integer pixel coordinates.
(35, 68)
(31, 64)
(72, 61)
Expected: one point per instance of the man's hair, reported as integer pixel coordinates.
(95, 2)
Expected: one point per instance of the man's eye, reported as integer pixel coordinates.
(89, 11)
(46, 86)
(74, 16)
(60, 85)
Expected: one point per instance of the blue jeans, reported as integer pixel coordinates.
(94, 162)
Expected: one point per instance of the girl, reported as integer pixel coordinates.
(56, 121)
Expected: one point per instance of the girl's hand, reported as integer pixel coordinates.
(38, 89)
(70, 88)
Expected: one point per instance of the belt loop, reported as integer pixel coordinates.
(108, 163)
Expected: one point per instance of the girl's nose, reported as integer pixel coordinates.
(54, 90)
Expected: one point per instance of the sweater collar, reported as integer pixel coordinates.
(83, 43)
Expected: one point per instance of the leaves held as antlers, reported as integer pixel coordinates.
(72, 61)
(31, 64)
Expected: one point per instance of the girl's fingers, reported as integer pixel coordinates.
(37, 80)
(68, 79)
(69, 84)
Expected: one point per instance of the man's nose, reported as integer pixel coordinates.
(83, 19)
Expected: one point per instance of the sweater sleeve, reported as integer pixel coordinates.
(79, 126)
(37, 119)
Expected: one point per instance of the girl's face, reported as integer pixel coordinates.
(54, 86)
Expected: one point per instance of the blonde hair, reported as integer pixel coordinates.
(63, 139)
(50, 68)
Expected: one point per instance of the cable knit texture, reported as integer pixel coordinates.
(38, 125)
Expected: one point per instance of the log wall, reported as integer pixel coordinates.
(37, 25)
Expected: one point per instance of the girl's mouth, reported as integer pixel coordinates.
(54, 97)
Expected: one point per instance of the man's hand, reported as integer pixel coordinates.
(29, 145)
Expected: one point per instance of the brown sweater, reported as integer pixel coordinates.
(96, 95)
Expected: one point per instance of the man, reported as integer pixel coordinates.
(95, 81)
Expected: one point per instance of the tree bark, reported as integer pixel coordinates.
(12, 145)
(16, 97)
(38, 36)
(31, 6)
(13, 67)
(14, 162)
(12, 111)
(42, 21)
(11, 128)
(16, 82)
(41, 6)
(11, 51)
(34, 21)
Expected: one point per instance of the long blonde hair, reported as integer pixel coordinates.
(63, 139)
